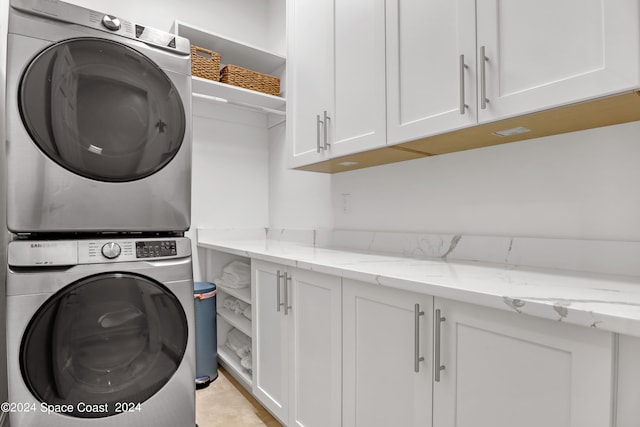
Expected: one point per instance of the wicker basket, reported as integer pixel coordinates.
(205, 63)
(249, 79)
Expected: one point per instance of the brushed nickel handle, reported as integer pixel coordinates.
(436, 346)
(463, 66)
(416, 339)
(326, 130)
(278, 303)
(483, 79)
(318, 123)
(287, 282)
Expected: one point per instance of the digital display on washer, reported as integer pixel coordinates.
(154, 36)
(155, 249)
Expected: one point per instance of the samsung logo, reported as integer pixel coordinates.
(43, 245)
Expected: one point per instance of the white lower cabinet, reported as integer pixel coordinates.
(297, 344)
(504, 369)
(628, 390)
(384, 336)
(333, 352)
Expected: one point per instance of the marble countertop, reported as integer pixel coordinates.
(603, 301)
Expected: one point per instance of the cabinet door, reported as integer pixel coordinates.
(316, 314)
(504, 369)
(628, 386)
(270, 339)
(359, 119)
(310, 75)
(431, 67)
(547, 53)
(381, 387)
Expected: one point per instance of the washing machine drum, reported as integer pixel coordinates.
(102, 341)
(101, 110)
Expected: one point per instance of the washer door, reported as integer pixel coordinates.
(104, 340)
(101, 110)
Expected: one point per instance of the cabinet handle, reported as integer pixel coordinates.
(416, 339)
(483, 79)
(436, 347)
(462, 68)
(318, 123)
(278, 303)
(287, 281)
(326, 130)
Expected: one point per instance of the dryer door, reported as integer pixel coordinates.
(101, 110)
(104, 340)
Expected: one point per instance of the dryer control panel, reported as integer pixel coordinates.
(73, 14)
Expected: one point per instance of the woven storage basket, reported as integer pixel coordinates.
(205, 63)
(249, 79)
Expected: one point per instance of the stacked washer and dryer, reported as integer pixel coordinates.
(99, 278)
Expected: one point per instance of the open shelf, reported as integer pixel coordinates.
(243, 294)
(243, 55)
(238, 321)
(232, 363)
(234, 95)
(228, 357)
(231, 51)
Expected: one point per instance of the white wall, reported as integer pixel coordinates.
(297, 199)
(582, 185)
(229, 171)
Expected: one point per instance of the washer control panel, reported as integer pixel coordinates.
(50, 253)
(156, 249)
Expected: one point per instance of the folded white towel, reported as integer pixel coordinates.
(243, 351)
(247, 312)
(235, 305)
(246, 362)
(238, 342)
(236, 274)
(229, 303)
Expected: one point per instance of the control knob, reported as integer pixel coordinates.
(111, 22)
(111, 250)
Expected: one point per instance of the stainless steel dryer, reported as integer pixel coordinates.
(99, 122)
(100, 333)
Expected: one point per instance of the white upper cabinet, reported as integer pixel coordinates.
(537, 55)
(431, 67)
(337, 78)
(359, 119)
(547, 53)
(310, 74)
(406, 75)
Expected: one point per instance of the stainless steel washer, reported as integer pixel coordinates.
(100, 333)
(99, 123)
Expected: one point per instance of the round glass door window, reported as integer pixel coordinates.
(101, 341)
(101, 110)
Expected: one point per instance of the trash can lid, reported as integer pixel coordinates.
(203, 287)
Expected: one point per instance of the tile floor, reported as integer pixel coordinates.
(225, 403)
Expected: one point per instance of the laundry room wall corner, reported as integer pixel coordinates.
(4, 7)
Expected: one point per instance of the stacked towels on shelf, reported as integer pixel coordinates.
(240, 344)
(237, 306)
(236, 274)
